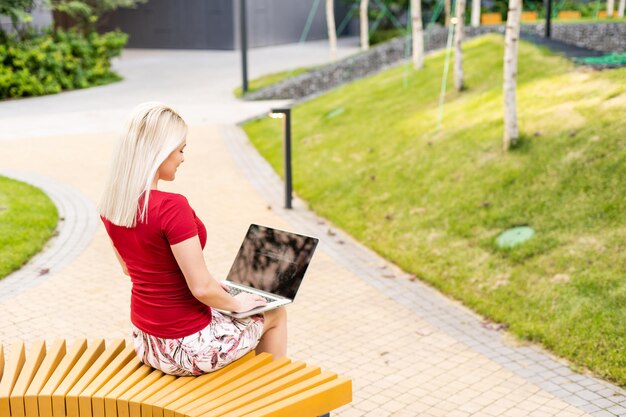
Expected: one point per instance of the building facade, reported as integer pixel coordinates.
(214, 24)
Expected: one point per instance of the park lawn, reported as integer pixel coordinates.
(614, 19)
(27, 220)
(269, 79)
(369, 157)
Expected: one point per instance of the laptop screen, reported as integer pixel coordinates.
(272, 260)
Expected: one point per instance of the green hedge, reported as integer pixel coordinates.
(57, 60)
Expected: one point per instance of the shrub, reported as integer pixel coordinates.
(57, 60)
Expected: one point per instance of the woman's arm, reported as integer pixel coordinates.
(119, 258)
(203, 286)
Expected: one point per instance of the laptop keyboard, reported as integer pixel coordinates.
(234, 291)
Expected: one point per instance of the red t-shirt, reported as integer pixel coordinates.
(161, 303)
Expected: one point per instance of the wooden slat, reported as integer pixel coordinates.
(123, 409)
(158, 408)
(10, 376)
(110, 401)
(280, 395)
(266, 385)
(44, 399)
(112, 382)
(97, 400)
(118, 362)
(134, 404)
(310, 403)
(87, 359)
(215, 382)
(103, 360)
(50, 363)
(148, 404)
(246, 379)
(1, 360)
(31, 365)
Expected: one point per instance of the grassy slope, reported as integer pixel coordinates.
(434, 201)
(27, 220)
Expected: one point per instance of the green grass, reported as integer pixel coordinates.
(383, 35)
(269, 79)
(434, 201)
(27, 220)
(588, 20)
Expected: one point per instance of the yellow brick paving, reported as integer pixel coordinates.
(400, 365)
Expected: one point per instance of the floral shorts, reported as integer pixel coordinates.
(223, 341)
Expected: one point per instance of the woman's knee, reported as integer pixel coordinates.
(276, 317)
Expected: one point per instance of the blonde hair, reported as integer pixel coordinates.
(154, 132)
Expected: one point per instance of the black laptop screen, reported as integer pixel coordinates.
(272, 260)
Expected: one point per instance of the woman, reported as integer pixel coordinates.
(158, 240)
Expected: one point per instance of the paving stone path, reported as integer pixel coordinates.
(410, 350)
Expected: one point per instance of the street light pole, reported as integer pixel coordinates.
(548, 7)
(286, 114)
(244, 45)
(288, 186)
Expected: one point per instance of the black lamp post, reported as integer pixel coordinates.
(244, 45)
(286, 114)
(548, 7)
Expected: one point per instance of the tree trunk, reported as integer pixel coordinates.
(447, 6)
(458, 44)
(610, 7)
(511, 132)
(475, 13)
(365, 36)
(332, 32)
(417, 33)
(622, 6)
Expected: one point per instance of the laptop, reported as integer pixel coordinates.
(270, 263)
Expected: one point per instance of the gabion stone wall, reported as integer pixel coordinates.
(605, 36)
(358, 66)
(609, 37)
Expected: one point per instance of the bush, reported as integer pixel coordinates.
(57, 60)
(586, 8)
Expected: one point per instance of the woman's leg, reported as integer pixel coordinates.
(274, 339)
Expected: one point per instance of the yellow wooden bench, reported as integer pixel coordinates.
(98, 380)
(490, 19)
(529, 16)
(569, 15)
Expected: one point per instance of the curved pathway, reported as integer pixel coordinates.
(77, 224)
(410, 350)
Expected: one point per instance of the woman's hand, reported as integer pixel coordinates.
(203, 286)
(248, 301)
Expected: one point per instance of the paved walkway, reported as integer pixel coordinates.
(409, 350)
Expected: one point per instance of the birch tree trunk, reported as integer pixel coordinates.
(417, 33)
(447, 6)
(458, 44)
(332, 32)
(511, 40)
(610, 7)
(365, 36)
(622, 6)
(475, 13)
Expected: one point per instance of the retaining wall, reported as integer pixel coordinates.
(608, 37)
